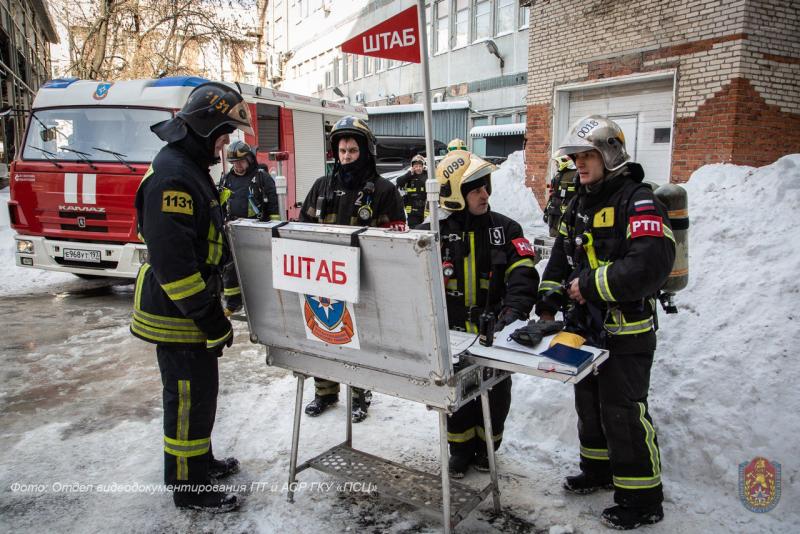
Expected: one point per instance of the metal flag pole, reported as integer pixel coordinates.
(431, 185)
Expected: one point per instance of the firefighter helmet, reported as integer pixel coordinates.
(596, 133)
(351, 127)
(456, 172)
(418, 159)
(563, 162)
(456, 144)
(213, 104)
(239, 150)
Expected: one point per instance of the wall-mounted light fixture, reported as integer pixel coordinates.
(492, 47)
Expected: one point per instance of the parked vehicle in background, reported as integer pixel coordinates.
(88, 144)
(395, 152)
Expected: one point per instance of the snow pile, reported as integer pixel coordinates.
(511, 197)
(723, 390)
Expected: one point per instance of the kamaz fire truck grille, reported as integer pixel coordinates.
(77, 228)
(87, 215)
(88, 264)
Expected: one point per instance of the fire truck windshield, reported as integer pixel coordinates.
(100, 134)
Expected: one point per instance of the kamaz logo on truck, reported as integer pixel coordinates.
(81, 209)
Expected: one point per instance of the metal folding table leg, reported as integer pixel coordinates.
(487, 427)
(445, 473)
(298, 405)
(349, 415)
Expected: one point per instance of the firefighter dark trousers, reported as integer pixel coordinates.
(231, 290)
(617, 438)
(190, 380)
(465, 432)
(324, 387)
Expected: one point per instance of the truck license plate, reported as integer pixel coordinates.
(73, 254)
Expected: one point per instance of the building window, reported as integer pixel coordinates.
(378, 64)
(442, 26)
(483, 19)
(367, 65)
(522, 117)
(479, 143)
(503, 119)
(524, 17)
(461, 24)
(355, 67)
(345, 68)
(390, 64)
(328, 78)
(336, 71)
(505, 16)
(661, 135)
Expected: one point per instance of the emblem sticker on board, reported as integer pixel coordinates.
(102, 90)
(329, 321)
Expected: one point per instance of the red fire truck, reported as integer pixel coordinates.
(88, 143)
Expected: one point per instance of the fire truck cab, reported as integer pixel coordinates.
(88, 144)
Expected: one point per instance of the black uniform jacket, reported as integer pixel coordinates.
(381, 206)
(630, 257)
(176, 300)
(252, 195)
(414, 200)
(491, 260)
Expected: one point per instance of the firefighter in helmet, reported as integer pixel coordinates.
(562, 188)
(413, 183)
(488, 267)
(614, 252)
(246, 192)
(352, 194)
(456, 144)
(177, 297)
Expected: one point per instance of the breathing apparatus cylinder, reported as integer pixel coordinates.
(675, 198)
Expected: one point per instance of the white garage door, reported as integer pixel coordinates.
(309, 147)
(644, 112)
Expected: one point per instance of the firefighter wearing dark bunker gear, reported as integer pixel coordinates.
(353, 194)
(415, 199)
(246, 192)
(488, 265)
(615, 240)
(177, 297)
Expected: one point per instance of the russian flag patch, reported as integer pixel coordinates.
(644, 205)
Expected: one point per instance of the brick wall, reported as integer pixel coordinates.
(737, 63)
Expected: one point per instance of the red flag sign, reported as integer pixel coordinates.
(394, 38)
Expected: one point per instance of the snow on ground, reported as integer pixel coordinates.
(723, 390)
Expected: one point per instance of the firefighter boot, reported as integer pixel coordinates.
(586, 483)
(481, 462)
(223, 468)
(627, 518)
(459, 463)
(216, 502)
(360, 407)
(321, 403)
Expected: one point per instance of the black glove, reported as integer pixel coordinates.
(506, 317)
(532, 334)
(218, 330)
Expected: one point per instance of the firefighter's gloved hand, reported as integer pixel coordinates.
(532, 334)
(506, 317)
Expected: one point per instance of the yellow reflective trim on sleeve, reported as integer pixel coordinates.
(274, 217)
(562, 228)
(461, 437)
(137, 292)
(408, 210)
(551, 285)
(483, 283)
(177, 202)
(668, 233)
(601, 283)
(212, 343)
(524, 262)
(230, 291)
(185, 287)
(224, 195)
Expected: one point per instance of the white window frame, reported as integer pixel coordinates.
(454, 11)
(436, 49)
(513, 5)
(524, 21)
(475, 38)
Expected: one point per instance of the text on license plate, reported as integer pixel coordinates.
(73, 254)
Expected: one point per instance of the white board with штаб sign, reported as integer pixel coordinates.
(311, 268)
